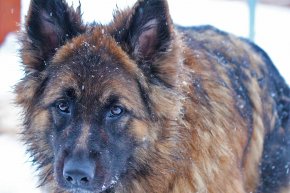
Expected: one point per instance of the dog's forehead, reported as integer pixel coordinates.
(93, 64)
(92, 48)
(90, 83)
(90, 70)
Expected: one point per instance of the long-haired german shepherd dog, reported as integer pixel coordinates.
(144, 106)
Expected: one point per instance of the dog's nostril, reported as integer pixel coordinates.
(84, 180)
(69, 179)
(77, 177)
(79, 172)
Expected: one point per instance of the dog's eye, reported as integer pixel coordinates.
(116, 111)
(63, 106)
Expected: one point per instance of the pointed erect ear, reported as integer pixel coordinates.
(149, 29)
(49, 24)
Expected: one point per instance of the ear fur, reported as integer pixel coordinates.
(49, 24)
(150, 29)
(150, 40)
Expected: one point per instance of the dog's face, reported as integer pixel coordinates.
(93, 104)
(95, 96)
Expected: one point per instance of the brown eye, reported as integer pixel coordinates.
(116, 111)
(63, 106)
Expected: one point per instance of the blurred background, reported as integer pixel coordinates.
(267, 22)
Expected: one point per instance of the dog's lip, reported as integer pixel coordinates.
(108, 185)
(96, 190)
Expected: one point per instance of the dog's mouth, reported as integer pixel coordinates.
(106, 190)
(109, 185)
(106, 187)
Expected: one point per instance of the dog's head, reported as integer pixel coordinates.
(98, 99)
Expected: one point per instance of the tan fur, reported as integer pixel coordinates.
(197, 117)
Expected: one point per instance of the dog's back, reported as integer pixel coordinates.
(262, 98)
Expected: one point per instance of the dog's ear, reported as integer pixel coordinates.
(49, 24)
(148, 36)
(149, 29)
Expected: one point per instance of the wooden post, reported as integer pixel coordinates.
(9, 17)
(252, 7)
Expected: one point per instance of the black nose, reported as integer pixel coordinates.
(79, 172)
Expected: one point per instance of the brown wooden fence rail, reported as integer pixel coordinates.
(9, 17)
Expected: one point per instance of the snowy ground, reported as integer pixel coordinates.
(272, 33)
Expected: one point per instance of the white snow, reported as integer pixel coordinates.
(16, 174)
(272, 34)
